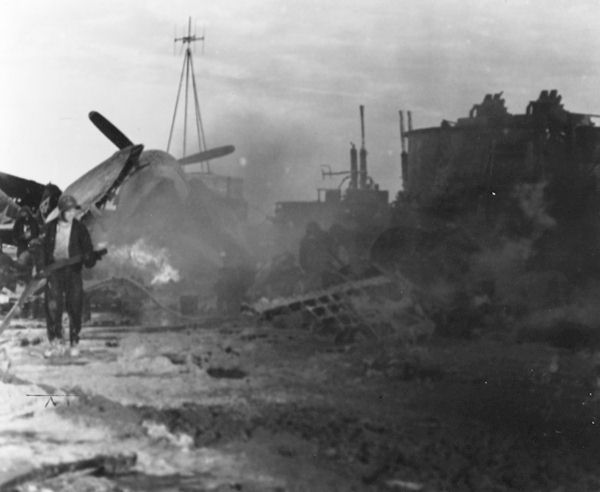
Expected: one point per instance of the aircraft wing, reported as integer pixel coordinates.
(23, 191)
(8, 208)
(95, 187)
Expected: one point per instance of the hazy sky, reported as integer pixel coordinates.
(281, 80)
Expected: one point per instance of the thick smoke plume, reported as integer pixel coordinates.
(542, 296)
(279, 158)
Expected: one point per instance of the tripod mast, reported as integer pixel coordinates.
(187, 73)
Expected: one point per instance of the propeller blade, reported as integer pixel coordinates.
(109, 130)
(207, 155)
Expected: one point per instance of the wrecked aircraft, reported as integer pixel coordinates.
(154, 209)
(157, 221)
(131, 175)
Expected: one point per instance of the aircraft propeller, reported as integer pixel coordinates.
(207, 155)
(109, 130)
(117, 137)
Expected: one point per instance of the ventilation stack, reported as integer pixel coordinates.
(353, 166)
(363, 151)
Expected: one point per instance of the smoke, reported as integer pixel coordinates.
(537, 281)
(506, 259)
(278, 157)
(532, 202)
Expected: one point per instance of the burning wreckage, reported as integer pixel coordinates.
(495, 210)
(158, 221)
(495, 228)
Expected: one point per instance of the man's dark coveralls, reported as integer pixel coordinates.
(317, 256)
(66, 284)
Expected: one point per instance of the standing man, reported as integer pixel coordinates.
(318, 257)
(66, 238)
(26, 229)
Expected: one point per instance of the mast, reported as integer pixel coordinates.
(187, 73)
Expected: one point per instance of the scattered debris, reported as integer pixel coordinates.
(330, 308)
(107, 465)
(24, 342)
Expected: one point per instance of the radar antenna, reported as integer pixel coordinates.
(187, 73)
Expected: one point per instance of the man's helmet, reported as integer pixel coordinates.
(313, 228)
(67, 202)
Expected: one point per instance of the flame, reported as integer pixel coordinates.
(150, 259)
